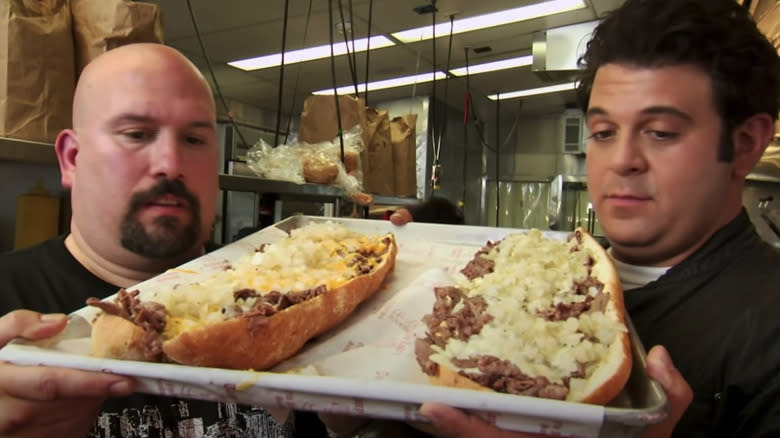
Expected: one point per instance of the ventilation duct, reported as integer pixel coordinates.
(556, 51)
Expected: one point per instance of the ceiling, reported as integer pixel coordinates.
(234, 29)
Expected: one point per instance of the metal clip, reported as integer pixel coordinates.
(436, 176)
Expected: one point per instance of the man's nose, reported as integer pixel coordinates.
(628, 155)
(166, 158)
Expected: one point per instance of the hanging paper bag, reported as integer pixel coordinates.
(404, 139)
(378, 165)
(101, 25)
(36, 53)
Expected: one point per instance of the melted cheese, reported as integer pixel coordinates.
(314, 255)
(531, 274)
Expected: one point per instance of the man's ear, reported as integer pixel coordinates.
(750, 140)
(67, 148)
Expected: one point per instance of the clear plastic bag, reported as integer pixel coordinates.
(281, 163)
(318, 163)
(326, 157)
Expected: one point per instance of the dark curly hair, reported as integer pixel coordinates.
(437, 210)
(717, 36)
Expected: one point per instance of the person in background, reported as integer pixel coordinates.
(680, 99)
(141, 164)
(435, 210)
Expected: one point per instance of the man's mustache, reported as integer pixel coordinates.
(164, 187)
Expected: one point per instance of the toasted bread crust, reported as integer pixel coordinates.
(116, 337)
(610, 378)
(238, 343)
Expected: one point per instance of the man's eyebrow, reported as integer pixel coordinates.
(130, 118)
(652, 110)
(595, 111)
(668, 110)
(138, 118)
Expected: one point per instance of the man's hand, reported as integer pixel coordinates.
(678, 393)
(448, 422)
(401, 216)
(45, 401)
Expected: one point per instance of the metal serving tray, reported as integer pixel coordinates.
(366, 366)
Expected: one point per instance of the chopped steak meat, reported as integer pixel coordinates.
(243, 294)
(479, 266)
(445, 322)
(423, 351)
(564, 311)
(503, 376)
(274, 302)
(148, 315)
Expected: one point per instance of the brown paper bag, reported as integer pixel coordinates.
(769, 24)
(378, 168)
(101, 25)
(319, 124)
(404, 140)
(318, 118)
(36, 55)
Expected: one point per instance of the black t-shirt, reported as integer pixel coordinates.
(717, 314)
(46, 278)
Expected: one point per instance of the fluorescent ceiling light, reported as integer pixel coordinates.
(503, 64)
(491, 20)
(311, 53)
(387, 83)
(534, 91)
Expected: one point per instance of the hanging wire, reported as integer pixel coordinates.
(443, 119)
(466, 105)
(417, 69)
(368, 46)
(434, 122)
(281, 75)
(213, 76)
(352, 40)
(498, 148)
(350, 52)
(294, 99)
(333, 78)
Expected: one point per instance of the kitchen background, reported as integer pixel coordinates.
(514, 163)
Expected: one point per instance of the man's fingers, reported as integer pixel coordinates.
(401, 217)
(45, 383)
(30, 325)
(678, 393)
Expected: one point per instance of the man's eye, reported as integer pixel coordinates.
(195, 140)
(662, 135)
(135, 135)
(601, 135)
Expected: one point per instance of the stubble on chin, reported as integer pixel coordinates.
(165, 237)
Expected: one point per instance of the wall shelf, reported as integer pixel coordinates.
(242, 183)
(24, 151)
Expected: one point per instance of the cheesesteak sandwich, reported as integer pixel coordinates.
(532, 316)
(258, 311)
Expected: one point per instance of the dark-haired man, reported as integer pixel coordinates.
(680, 99)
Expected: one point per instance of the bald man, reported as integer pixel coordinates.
(141, 165)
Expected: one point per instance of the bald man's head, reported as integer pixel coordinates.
(142, 158)
(132, 59)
